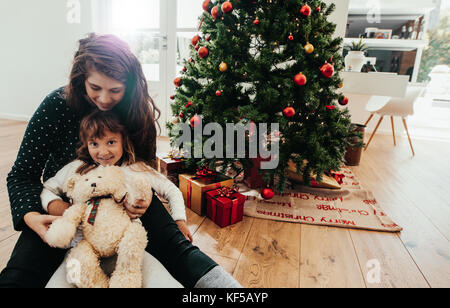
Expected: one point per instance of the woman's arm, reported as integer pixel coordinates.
(24, 180)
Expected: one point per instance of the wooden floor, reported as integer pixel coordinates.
(414, 191)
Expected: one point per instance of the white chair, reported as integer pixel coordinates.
(386, 106)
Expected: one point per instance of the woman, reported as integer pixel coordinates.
(107, 76)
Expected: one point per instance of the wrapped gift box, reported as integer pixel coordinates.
(327, 181)
(170, 166)
(224, 206)
(253, 177)
(193, 188)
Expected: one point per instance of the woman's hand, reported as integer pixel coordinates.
(137, 209)
(39, 223)
(182, 225)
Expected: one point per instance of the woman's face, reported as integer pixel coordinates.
(104, 92)
(108, 150)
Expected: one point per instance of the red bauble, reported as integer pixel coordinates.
(195, 120)
(291, 37)
(289, 112)
(327, 70)
(181, 115)
(305, 10)
(218, 93)
(177, 82)
(215, 12)
(318, 9)
(203, 52)
(208, 37)
(172, 97)
(227, 7)
(195, 40)
(300, 79)
(267, 193)
(197, 47)
(256, 21)
(184, 69)
(206, 4)
(343, 100)
(191, 60)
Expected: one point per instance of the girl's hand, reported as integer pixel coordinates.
(57, 207)
(137, 209)
(182, 225)
(39, 223)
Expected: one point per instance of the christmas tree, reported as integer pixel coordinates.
(268, 61)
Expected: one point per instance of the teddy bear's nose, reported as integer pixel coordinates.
(93, 185)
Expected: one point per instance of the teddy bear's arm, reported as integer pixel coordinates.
(62, 230)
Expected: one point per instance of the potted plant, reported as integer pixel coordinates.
(355, 144)
(355, 58)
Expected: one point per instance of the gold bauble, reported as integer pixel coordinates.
(341, 85)
(309, 48)
(223, 67)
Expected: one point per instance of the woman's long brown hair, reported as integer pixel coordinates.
(111, 56)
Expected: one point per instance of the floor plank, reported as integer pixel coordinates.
(328, 259)
(271, 256)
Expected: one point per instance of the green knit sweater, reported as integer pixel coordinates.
(49, 143)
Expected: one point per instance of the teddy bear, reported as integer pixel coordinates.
(107, 229)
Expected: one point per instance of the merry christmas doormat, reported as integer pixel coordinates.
(349, 207)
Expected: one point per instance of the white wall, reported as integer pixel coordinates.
(37, 48)
(339, 16)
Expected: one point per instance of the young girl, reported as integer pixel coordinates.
(105, 142)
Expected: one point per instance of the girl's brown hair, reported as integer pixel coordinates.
(95, 125)
(111, 56)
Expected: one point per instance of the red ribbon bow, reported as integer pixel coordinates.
(225, 192)
(204, 172)
(338, 177)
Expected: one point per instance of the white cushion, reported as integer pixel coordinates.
(155, 274)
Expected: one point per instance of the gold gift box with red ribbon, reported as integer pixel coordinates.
(194, 186)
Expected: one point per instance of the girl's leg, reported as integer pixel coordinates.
(185, 262)
(32, 262)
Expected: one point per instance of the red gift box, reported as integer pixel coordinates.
(253, 177)
(225, 206)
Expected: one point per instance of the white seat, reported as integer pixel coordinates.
(393, 106)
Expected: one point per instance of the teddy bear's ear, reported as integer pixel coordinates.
(70, 185)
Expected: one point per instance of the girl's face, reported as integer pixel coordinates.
(106, 151)
(104, 92)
